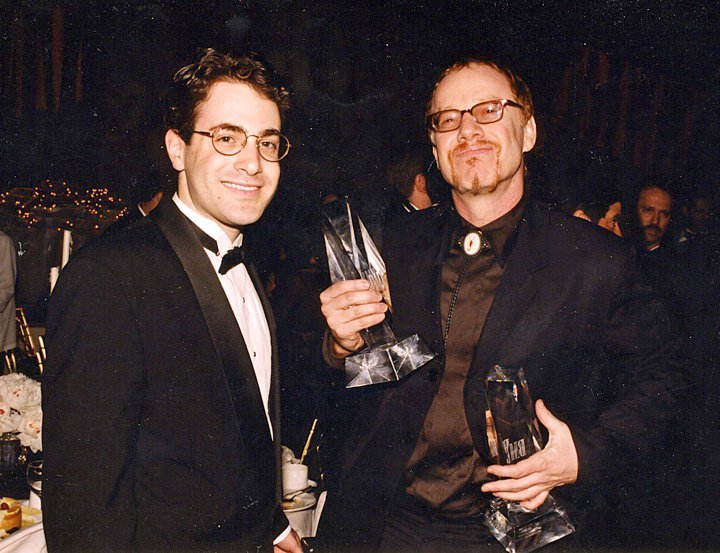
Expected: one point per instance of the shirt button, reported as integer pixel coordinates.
(254, 354)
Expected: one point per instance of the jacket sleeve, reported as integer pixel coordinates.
(92, 396)
(646, 381)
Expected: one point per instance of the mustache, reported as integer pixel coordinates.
(652, 227)
(460, 148)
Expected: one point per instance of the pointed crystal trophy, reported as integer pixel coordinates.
(513, 435)
(352, 255)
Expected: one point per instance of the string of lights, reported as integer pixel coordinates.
(61, 205)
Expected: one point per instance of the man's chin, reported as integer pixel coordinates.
(476, 187)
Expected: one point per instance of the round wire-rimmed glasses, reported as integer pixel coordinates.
(228, 142)
(483, 113)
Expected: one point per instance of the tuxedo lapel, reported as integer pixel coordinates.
(227, 338)
(255, 277)
(274, 399)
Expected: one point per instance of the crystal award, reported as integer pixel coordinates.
(351, 255)
(513, 435)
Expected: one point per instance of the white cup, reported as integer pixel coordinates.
(294, 477)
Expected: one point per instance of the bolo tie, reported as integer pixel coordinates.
(472, 244)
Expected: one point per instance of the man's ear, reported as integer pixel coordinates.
(420, 183)
(175, 147)
(529, 135)
(434, 148)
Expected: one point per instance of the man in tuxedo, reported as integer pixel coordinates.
(495, 278)
(161, 394)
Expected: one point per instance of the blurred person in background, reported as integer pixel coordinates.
(147, 193)
(604, 211)
(8, 271)
(654, 210)
(700, 216)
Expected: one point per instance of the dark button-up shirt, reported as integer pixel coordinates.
(445, 471)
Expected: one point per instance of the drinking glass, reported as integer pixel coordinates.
(34, 480)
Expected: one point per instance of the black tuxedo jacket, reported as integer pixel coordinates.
(570, 310)
(155, 435)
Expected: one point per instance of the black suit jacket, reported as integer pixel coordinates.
(569, 310)
(155, 435)
(134, 214)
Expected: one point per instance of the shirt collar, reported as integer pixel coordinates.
(500, 233)
(208, 226)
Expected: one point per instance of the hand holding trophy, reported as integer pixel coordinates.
(353, 255)
(514, 435)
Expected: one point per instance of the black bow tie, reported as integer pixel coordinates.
(232, 258)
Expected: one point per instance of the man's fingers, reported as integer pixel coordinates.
(547, 419)
(351, 299)
(353, 326)
(535, 502)
(353, 313)
(349, 307)
(529, 481)
(513, 485)
(331, 306)
(341, 287)
(523, 468)
(529, 495)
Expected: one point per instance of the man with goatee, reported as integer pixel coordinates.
(495, 277)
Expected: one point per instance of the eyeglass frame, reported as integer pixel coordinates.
(211, 135)
(503, 104)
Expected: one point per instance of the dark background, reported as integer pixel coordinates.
(626, 91)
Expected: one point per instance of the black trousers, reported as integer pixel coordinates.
(420, 531)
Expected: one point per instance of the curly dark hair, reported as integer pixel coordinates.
(191, 85)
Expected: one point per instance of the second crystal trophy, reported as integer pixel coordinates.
(351, 255)
(513, 435)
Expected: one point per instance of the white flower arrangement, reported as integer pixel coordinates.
(20, 409)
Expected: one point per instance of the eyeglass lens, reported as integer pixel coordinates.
(272, 147)
(484, 112)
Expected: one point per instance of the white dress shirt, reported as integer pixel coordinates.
(246, 307)
(244, 301)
